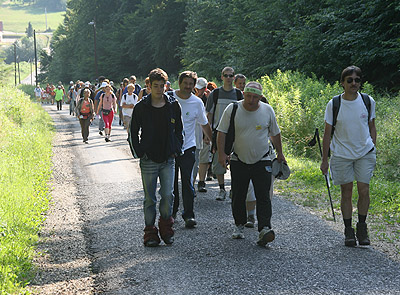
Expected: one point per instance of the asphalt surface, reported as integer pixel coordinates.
(307, 257)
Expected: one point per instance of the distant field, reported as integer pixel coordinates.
(16, 18)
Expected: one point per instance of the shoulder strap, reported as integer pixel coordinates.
(238, 94)
(215, 100)
(367, 102)
(335, 110)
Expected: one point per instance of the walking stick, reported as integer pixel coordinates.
(312, 143)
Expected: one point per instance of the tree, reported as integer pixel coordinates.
(29, 30)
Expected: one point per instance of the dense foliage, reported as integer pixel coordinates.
(255, 37)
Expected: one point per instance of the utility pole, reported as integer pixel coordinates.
(93, 23)
(19, 73)
(34, 43)
(45, 13)
(15, 63)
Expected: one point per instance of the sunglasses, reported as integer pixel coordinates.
(350, 80)
(229, 76)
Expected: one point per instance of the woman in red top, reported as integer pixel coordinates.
(85, 113)
(108, 105)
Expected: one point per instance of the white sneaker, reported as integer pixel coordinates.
(266, 236)
(238, 232)
(221, 195)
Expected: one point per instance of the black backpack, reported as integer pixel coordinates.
(336, 106)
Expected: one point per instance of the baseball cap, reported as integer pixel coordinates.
(104, 84)
(87, 84)
(201, 83)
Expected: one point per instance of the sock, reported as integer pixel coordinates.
(222, 186)
(251, 212)
(347, 222)
(362, 218)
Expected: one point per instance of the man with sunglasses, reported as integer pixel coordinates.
(353, 154)
(226, 95)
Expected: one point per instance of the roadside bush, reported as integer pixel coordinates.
(25, 161)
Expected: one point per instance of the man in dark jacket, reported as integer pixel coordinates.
(157, 117)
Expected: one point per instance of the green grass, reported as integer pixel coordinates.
(26, 133)
(7, 73)
(16, 17)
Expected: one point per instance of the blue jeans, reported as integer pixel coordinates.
(185, 163)
(150, 172)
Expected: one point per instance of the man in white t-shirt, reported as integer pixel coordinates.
(192, 113)
(353, 154)
(128, 102)
(255, 123)
(38, 93)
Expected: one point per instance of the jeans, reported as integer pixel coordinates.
(260, 174)
(150, 172)
(185, 163)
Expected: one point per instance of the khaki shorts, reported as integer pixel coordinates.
(217, 169)
(346, 171)
(127, 121)
(205, 154)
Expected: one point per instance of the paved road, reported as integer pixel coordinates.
(307, 257)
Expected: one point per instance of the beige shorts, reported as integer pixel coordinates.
(217, 169)
(205, 154)
(127, 121)
(345, 171)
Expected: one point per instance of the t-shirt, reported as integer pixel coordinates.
(252, 131)
(351, 139)
(85, 108)
(108, 101)
(192, 112)
(38, 92)
(128, 99)
(224, 99)
(59, 94)
(160, 134)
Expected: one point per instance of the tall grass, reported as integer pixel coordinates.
(25, 161)
(299, 103)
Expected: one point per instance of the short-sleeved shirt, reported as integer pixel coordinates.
(38, 92)
(128, 99)
(351, 139)
(59, 94)
(192, 112)
(224, 99)
(252, 131)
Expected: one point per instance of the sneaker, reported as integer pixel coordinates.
(101, 133)
(349, 237)
(107, 139)
(190, 223)
(250, 221)
(221, 195)
(208, 178)
(151, 243)
(362, 234)
(238, 232)
(201, 187)
(265, 236)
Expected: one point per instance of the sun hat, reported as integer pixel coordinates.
(201, 83)
(280, 170)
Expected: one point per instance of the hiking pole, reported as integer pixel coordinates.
(312, 143)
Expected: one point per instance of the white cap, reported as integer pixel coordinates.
(104, 84)
(201, 83)
(71, 82)
(87, 84)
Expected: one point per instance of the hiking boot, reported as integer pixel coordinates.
(238, 232)
(166, 231)
(362, 234)
(221, 195)
(265, 236)
(201, 187)
(151, 238)
(250, 221)
(349, 237)
(190, 223)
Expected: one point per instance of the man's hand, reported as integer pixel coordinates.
(324, 167)
(224, 159)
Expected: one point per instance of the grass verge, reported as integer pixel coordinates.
(26, 133)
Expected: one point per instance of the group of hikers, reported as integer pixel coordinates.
(201, 127)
